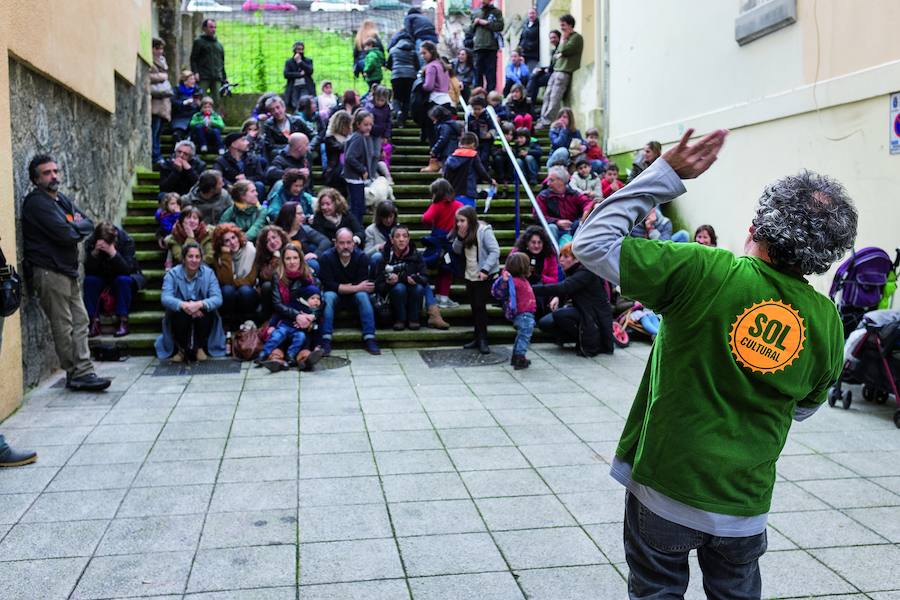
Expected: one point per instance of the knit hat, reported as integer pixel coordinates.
(232, 138)
(309, 291)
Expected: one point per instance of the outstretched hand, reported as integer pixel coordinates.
(689, 161)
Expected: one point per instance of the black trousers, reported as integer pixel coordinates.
(486, 69)
(402, 88)
(479, 294)
(562, 324)
(191, 334)
(535, 83)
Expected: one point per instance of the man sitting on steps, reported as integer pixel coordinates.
(209, 197)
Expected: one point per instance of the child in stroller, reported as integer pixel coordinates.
(872, 358)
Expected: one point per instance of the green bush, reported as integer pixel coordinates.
(255, 55)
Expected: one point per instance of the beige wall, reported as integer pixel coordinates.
(83, 46)
(812, 95)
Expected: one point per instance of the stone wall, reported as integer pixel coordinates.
(98, 154)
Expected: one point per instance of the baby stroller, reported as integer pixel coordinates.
(859, 284)
(872, 358)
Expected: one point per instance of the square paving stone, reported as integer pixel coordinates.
(252, 408)
(404, 422)
(789, 497)
(573, 583)
(422, 439)
(358, 560)
(240, 470)
(340, 491)
(166, 500)
(586, 414)
(121, 414)
(75, 506)
(49, 579)
(604, 506)
(424, 486)
(152, 534)
(579, 478)
(541, 434)
(255, 528)
(385, 589)
(29, 541)
(794, 573)
(556, 547)
(523, 512)
(258, 427)
(244, 497)
(869, 568)
(134, 575)
(514, 482)
(435, 517)
(487, 459)
(186, 472)
(609, 431)
(850, 493)
(823, 529)
(135, 432)
(450, 554)
(330, 409)
(245, 567)
(258, 446)
(279, 593)
(336, 523)
(478, 586)
(803, 467)
(94, 477)
(413, 461)
(334, 424)
(197, 449)
(884, 521)
(186, 412)
(608, 536)
(459, 419)
(553, 455)
(870, 464)
(194, 430)
(30, 478)
(49, 436)
(355, 464)
(474, 437)
(104, 454)
(332, 443)
(528, 416)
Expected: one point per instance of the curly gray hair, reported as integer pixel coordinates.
(807, 222)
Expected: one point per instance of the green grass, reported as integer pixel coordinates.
(255, 55)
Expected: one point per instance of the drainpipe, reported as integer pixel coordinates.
(604, 81)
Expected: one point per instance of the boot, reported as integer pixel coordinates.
(122, 330)
(414, 326)
(435, 320)
(309, 363)
(434, 166)
(472, 345)
(483, 346)
(201, 355)
(94, 329)
(519, 362)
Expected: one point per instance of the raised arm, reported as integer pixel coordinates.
(598, 242)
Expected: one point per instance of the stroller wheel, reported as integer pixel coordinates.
(897, 419)
(869, 394)
(847, 399)
(881, 397)
(833, 395)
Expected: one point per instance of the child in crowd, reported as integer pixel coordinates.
(360, 162)
(519, 304)
(520, 108)
(594, 152)
(441, 217)
(528, 153)
(455, 88)
(706, 235)
(446, 138)
(306, 111)
(562, 133)
(250, 129)
(463, 167)
(295, 296)
(379, 104)
(166, 216)
(327, 101)
(495, 99)
(500, 163)
(479, 123)
(373, 63)
(207, 126)
(611, 182)
(584, 179)
(474, 242)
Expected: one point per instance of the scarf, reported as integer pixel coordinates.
(284, 288)
(242, 261)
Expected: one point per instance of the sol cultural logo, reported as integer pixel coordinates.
(768, 336)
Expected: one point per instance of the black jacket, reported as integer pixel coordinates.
(587, 293)
(50, 233)
(311, 240)
(334, 171)
(180, 182)
(294, 71)
(402, 59)
(285, 311)
(284, 161)
(520, 107)
(410, 265)
(446, 139)
(462, 169)
(275, 140)
(420, 27)
(329, 230)
(253, 168)
(530, 41)
(123, 263)
(332, 273)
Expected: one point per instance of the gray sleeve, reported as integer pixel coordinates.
(801, 413)
(598, 241)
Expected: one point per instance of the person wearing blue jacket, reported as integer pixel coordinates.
(516, 72)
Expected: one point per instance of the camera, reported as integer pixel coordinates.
(398, 270)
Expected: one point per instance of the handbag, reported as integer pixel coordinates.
(382, 305)
(10, 288)
(163, 89)
(245, 343)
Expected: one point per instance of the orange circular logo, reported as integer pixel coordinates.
(768, 336)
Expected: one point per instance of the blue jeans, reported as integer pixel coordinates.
(284, 331)
(598, 167)
(524, 324)
(529, 166)
(467, 201)
(211, 138)
(3, 445)
(314, 265)
(650, 323)
(123, 288)
(363, 304)
(155, 129)
(657, 553)
(373, 264)
(560, 156)
(681, 236)
(357, 193)
(406, 301)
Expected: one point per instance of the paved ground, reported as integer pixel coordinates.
(388, 479)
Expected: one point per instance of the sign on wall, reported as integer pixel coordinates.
(895, 123)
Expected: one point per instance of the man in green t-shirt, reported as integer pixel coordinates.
(746, 345)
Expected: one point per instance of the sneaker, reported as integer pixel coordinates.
(221, 151)
(399, 326)
(372, 346)
(177, 358)
(88, 383)
(326, 347)
(446, 302)
(204, 149)
(12, 458)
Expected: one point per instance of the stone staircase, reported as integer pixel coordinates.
(411, 190)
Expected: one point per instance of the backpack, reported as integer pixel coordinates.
(505, 292)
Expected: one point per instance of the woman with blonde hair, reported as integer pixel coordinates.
(367, 29)
(340, 126)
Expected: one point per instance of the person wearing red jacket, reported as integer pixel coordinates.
(562, 206)
(441, 216)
